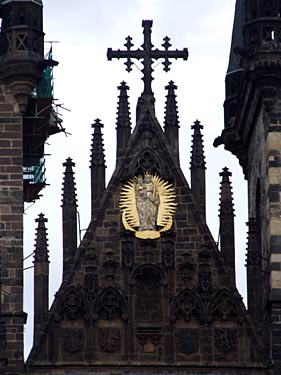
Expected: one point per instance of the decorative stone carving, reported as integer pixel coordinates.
(110, 304)
(127, 253)
(204, 278)
(185, 306)
(110, 264)
(146, 161)
(187, 267)
(225, 340)
(142, 338)
(187, 340)
(72, 339)
(223, 307)
(155, 338)
(149, 335)
(168, 254)
(90, 255)
(91, 283)
(109, 339)
(72, 305)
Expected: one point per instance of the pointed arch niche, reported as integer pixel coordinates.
(148, 281)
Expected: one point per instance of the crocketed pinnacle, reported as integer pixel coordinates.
(123, 110)
(226, 199)
(171, 110)
(69, 190)
(197, 148)
(41, 242)
(97, 152)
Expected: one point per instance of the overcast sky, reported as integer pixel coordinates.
(86, 84)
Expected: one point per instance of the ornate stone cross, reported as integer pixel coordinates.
(147, 54)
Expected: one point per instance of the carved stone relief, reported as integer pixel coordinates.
(185, 306)
(225, 340)
(73, 304)
(110, 304)
(72, 339)
(109, 339)
(127, 253)
(168, 255)
(187, 340)
(223, 307)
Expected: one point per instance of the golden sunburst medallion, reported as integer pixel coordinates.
(148, 204)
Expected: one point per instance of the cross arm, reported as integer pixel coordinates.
(135, 54)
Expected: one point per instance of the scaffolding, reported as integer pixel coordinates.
(40, 121)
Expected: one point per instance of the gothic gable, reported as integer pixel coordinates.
(157, 299)
(148, 288)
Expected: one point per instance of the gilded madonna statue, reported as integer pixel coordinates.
(148, 205)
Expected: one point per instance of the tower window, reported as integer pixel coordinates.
(268, 34)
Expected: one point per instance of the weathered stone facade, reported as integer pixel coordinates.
(21, 68)
(252, 133)
(160, 303)
(143, 302)
(11, 221)
(140, 296)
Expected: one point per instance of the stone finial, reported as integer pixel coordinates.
(123, 123)
(41, 242)
(97, 167)
(171, 111)
(123, 111)
(226, 215)
(69, 190)
(197, 169)
(197, 150)
(171, 121)
(97, 152)
(226, 198)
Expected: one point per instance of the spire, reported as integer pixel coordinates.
(123, 123)
(69, 191)
(41, 278)
(254, 271)
(237, 37)
(234, 72)
(97, 167)
(226, 216)
(69, 216)
(197, 169)
(41, 244)
(171, 122)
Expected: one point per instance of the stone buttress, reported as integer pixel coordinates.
(252, 133)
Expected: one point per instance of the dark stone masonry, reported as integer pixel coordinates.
(147, 291)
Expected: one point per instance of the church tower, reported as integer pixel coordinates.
(253, 134)
(23, 78)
